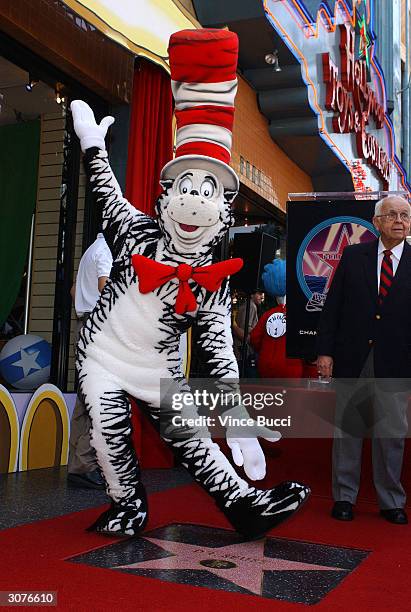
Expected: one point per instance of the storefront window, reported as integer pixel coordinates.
(35, 179)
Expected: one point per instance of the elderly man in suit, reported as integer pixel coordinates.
(365, 334)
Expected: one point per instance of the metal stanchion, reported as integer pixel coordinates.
(244, 344)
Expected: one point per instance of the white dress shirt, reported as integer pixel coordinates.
(395, 258)
(95, 263)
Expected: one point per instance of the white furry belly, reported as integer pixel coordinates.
(127, 343)
(134, 323)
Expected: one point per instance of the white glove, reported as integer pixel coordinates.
(88, 131)
(247, 452)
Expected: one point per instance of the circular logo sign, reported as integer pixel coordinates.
(276, 325)
(321, 251)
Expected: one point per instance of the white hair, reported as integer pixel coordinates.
(381, 202)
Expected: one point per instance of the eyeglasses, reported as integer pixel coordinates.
(393, 216)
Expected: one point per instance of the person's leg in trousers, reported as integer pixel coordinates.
(82, 456)
(353, 421)
(390, 429)
(347, 446)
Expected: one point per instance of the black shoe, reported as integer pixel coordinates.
(87, 480)
(342, 511)
(259, 511)
(395, 515)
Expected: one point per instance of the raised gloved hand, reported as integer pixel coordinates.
(89, 132)
(246, 451)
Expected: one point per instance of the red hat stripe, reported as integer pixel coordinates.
(204, 148)
(216, 115)
(217, 52)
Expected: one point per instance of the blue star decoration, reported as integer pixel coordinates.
(26, 361)
(195, 555)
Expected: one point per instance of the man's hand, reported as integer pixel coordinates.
(238, 331)
(90, 133)
(325, 365)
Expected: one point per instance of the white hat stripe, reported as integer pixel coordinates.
(194, 94)
(204, 131)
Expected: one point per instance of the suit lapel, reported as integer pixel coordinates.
(370, 268)
(403, 270)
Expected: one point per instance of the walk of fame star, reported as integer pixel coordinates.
(196, 555)
(243, 563)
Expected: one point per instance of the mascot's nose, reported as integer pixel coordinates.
(194, 192)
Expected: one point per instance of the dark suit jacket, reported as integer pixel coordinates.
(352, 322)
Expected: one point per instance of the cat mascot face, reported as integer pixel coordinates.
(194, 212)
(199, 184)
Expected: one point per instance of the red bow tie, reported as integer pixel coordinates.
(152, 274)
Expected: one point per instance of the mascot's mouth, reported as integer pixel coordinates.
(188, 228)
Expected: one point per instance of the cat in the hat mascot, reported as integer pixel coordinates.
(268, 338)
(162, 280)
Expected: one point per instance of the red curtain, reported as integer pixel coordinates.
(150, 147)
(150, 139)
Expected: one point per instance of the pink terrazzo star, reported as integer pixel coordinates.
(242, 564)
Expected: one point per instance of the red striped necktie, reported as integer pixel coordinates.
(386, 276)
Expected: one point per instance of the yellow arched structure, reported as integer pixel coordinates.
(9, 433)
(45, 430)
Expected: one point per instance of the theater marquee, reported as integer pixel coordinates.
(142, 26)
(336, 49)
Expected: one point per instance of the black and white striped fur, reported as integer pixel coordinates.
(131, 341)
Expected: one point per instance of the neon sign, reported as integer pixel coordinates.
(365, 142)
(354, 102)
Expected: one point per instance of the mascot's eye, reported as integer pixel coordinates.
(186, 185)
(207, 189)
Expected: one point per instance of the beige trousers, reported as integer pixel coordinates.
(82, 457)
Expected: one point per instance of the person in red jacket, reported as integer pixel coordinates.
(268, 337)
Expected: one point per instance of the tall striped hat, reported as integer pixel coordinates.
(203, 79)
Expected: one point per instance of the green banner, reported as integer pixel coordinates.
(19, 154)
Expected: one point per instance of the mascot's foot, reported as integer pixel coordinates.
(259, 511)
(127, 518)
